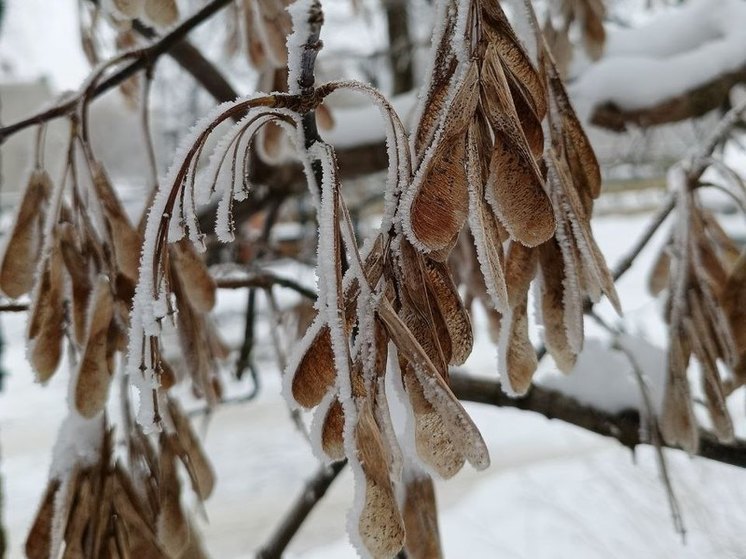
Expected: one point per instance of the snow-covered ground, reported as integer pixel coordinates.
(552, 491)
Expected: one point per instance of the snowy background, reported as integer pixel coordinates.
(552, 491)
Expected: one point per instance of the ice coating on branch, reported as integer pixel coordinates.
(396, 148)
(150, 304)
(296, 40)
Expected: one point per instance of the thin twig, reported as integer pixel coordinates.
(313, 491)
(264, 280)
(650, 422)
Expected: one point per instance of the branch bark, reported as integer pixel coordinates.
(623, 426)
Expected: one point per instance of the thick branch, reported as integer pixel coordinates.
(689, 104)
(623, 426)
(191, 59)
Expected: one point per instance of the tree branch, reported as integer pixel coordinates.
(264, 280)
(191, 59)
(552, 404)
(313, 491)
(145, 59)
(690, 104)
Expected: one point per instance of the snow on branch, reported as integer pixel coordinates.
(679, 66)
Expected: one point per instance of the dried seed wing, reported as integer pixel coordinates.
(440, 203)
(580, 154)
(659, 274)
(316, 372)
(39, 539)
(380, 524)
(520, 269)
(452, 310)
(324, 117)
(162, 13)
(462, 107)
(80, 517)
(678, 424)
(125, 238)
(192, 453)
(332, 430)
(128, 8)
(515, 190)
(432, 438)
(276, 26)
(77, 268)
(733, 303)
(512, 54)
(520, 356)
(21, 256)
(484, 228)
(420, 516)
(199, 286)
(434, 390)
(711, 383)
(94, 375)
(172, 526)
(553, 308)
(46, 328)
(434, 109)
(530, 121)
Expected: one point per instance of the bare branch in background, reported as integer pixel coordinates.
(694, 103)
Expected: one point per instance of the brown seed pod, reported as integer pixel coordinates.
(161, 13)
(47, 318)
(94, 373)
(380, 524)
(128, 8)
(678, 424)
(553, 308)
(332, 432)
(172, 526)
(21, 256)
(440, 206)
(316, 372)
(199, 286)
(39, 539)
(442, 419)
(455, 316)
(420, 515)
(520, 357)
(191, 453)
(125, 238)
(80, 281)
